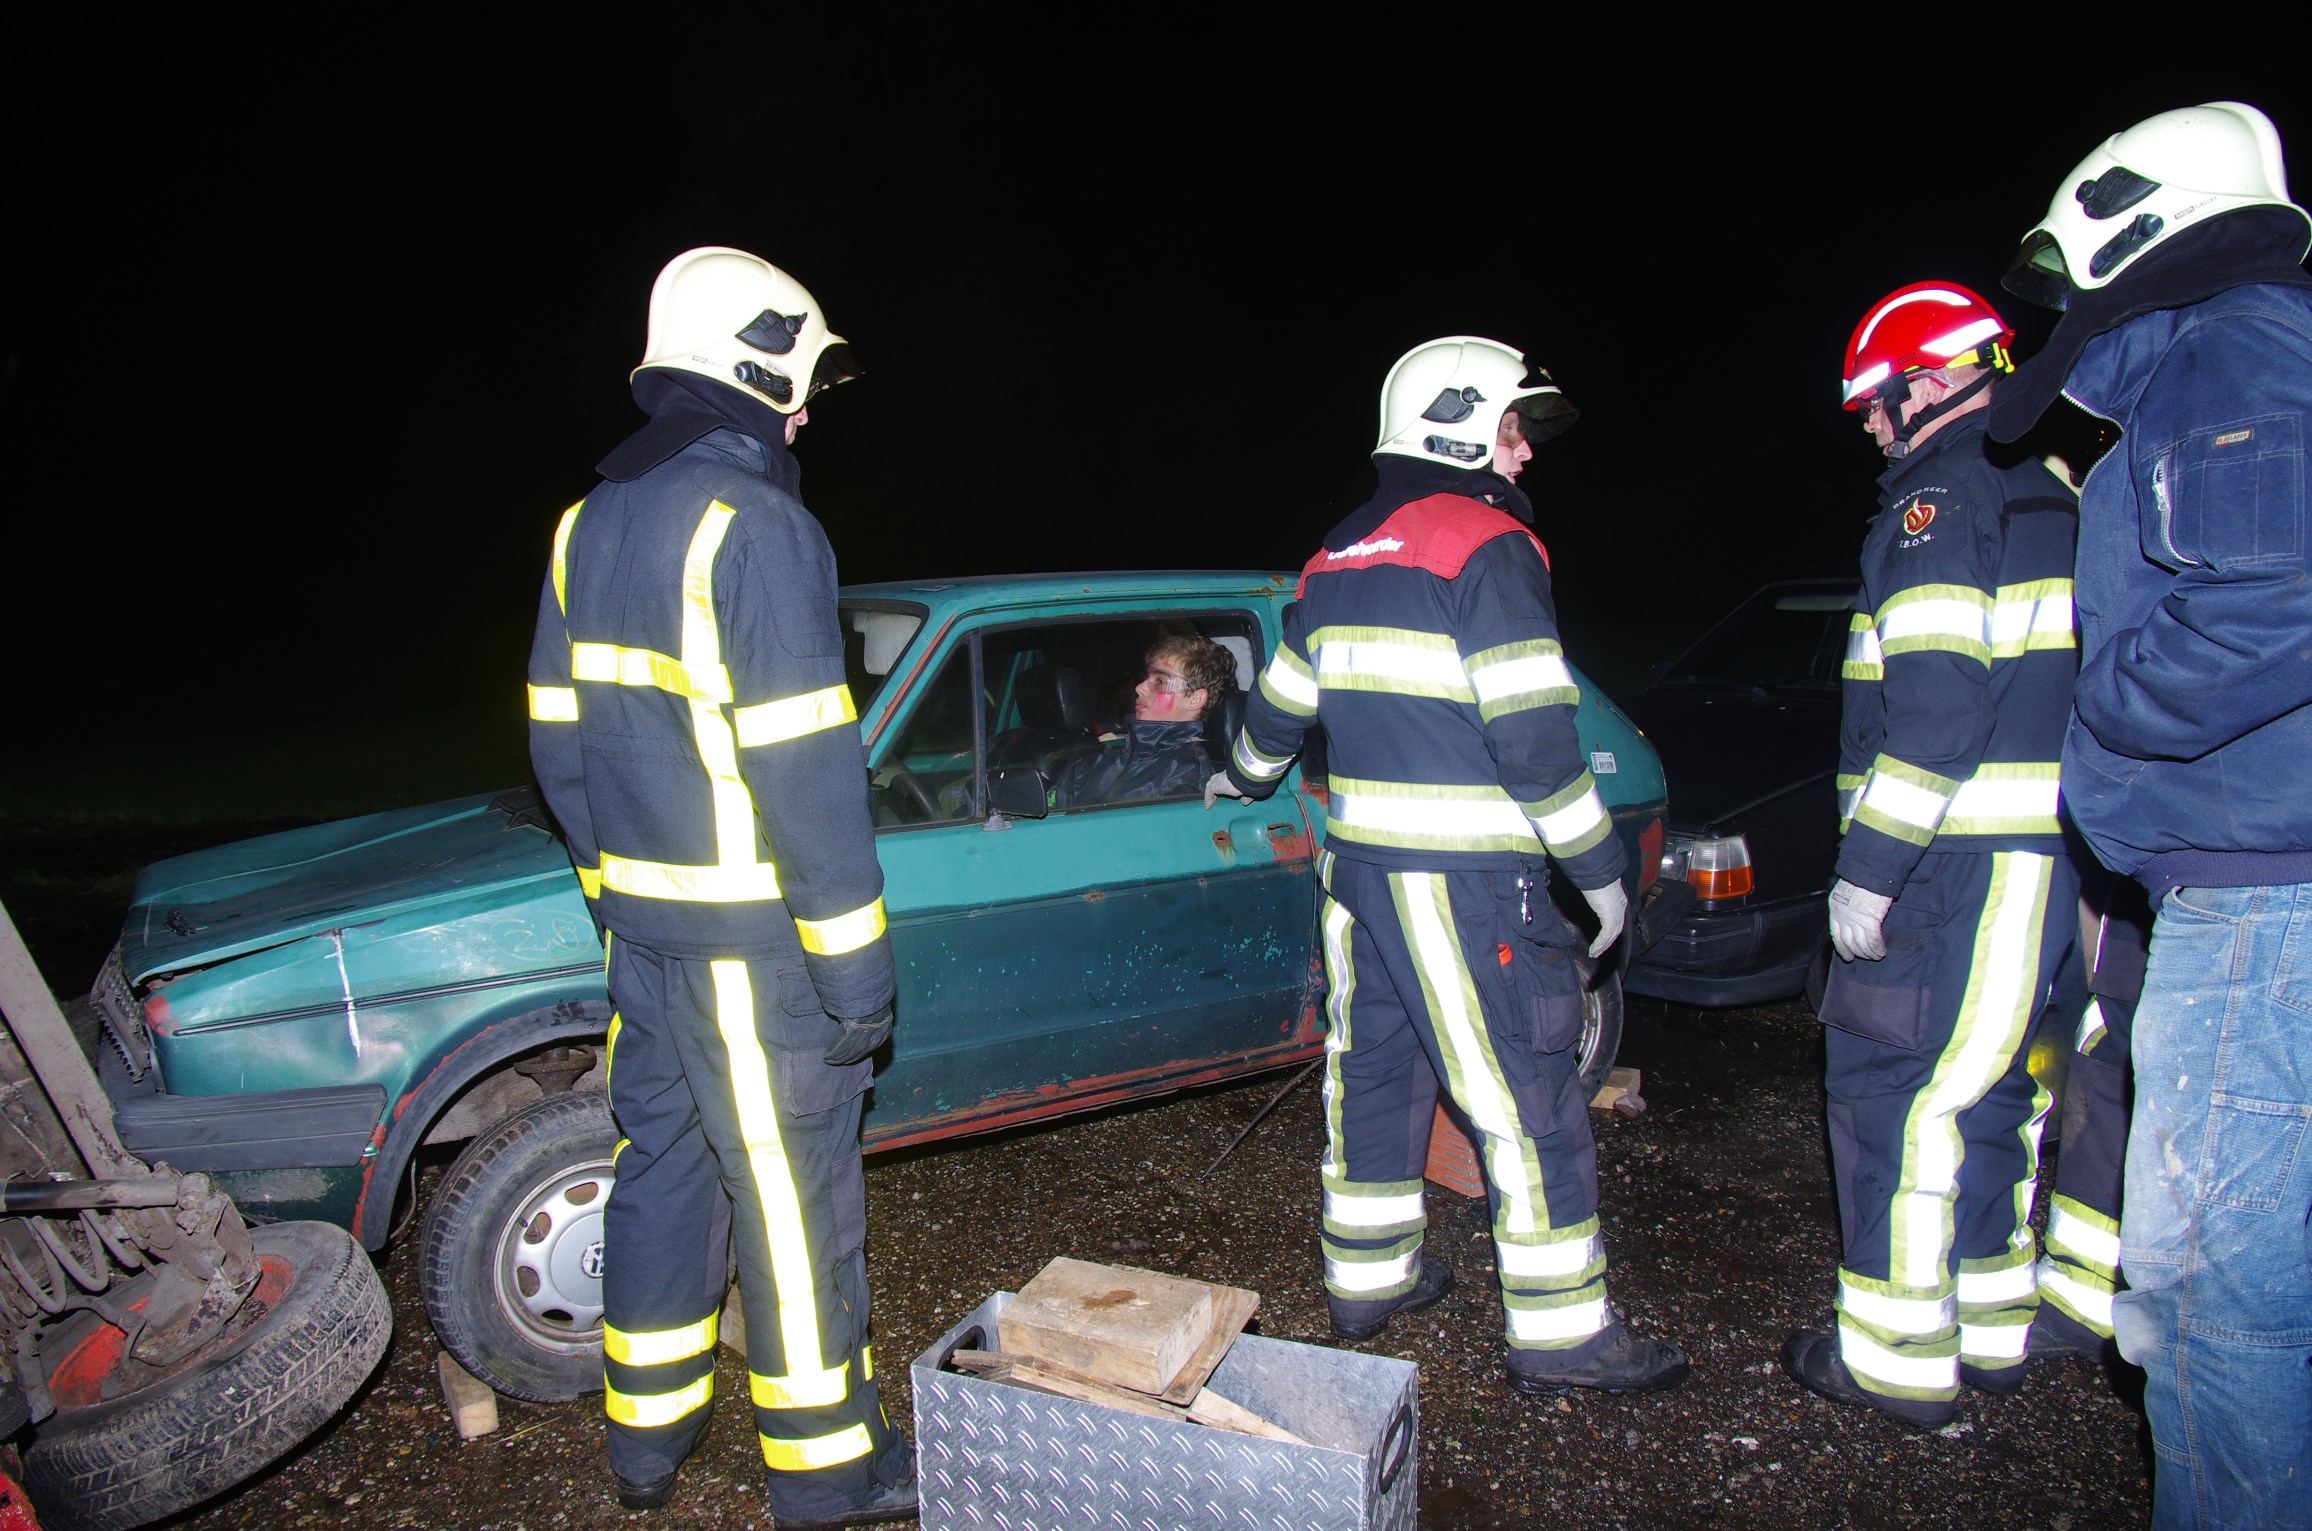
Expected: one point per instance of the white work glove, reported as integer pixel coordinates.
(1612, 907)
(1855, 917)
(1221, 786)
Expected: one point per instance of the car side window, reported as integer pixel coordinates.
(927, 776)
(1058, 697)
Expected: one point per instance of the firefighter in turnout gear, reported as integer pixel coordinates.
(692, 731)
(1425, 643)
(1956, 898)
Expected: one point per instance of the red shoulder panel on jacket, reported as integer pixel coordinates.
(1437, 534)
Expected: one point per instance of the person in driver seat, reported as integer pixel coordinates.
(1163, 754)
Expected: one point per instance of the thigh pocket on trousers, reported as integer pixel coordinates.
(1885, 1001)
(795, 1034)
(2254, 1153)
(1533, 950)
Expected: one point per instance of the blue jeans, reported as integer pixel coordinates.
(2215, 1236)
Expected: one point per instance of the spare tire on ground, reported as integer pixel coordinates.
(302, 1345)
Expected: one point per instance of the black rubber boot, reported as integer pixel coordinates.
(897, 1502)
(1811, 1358)
(2003, 1382)
(645, 1496)
(1627, 1364)
(1435, 1280)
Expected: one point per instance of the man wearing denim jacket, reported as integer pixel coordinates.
(2176, 257)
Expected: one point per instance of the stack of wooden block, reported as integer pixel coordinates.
(1128, 1339)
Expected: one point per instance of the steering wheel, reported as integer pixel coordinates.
(902, 777)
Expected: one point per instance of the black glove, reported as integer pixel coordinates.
(861, 1036)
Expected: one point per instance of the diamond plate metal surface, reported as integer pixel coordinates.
(995, 1457)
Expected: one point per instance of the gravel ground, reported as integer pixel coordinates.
(1718, 1221)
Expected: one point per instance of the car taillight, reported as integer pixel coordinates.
(1715, 866)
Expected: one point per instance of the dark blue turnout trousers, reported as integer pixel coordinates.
(1935, 1119)
(732, 1125)
(2079, 1274)
(1470, 979)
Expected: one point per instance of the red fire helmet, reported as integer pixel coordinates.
(1927, 324)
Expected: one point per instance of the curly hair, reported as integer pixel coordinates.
(1205, 665)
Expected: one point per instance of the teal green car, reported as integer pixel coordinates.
(298, 1014)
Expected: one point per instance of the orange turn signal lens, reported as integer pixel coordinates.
(1716, 866)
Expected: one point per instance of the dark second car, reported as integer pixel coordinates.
(1746, 724)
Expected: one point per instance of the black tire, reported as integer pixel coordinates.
(228, 1410)
(511, 1259)
(1601, 1029)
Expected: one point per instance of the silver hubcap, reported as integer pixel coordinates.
(549, 1265)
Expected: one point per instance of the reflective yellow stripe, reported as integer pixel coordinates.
(647, 1409)
(843, 933)
(590, 881)
(794, 716)
(735, 833)
(656, 1347)
(866, 1363)
(614, 665)
(698, 885)
(797, 1391)
(610, 1056)
(562, 556)
(1421, 816)
(554, 704)
(750, 1077)
(1401, 661)
(820, 1451)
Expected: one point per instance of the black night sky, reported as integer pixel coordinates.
(311, 334)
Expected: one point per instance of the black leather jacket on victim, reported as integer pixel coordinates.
(1152, 760)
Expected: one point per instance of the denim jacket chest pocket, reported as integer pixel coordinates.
(2230, 496)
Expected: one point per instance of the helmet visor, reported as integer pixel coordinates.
(837, 364)
(1544, 415)
(2038, 273)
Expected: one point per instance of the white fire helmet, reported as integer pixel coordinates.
(738, 319)
(2143, 187)
(1443, 401)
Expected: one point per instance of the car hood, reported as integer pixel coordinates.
(203, 908)
(1723, 749)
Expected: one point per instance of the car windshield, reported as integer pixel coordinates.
(874, 636)
(1791, 636)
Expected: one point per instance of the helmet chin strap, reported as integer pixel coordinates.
(1895, 392)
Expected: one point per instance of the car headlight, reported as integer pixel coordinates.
(1717, 866)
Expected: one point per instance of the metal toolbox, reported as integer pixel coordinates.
(994, 1457)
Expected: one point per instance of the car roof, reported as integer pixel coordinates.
(986, 590)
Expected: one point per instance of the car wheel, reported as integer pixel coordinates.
(1601, 1029)
(306, 1339)
(511, 1260)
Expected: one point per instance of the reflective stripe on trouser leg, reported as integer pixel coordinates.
(1373, 1218)
(1936, 1144)
(783, 1129)
(1412, 971)
(664, 1229)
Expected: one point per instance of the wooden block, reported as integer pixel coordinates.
(1233, 1308)
(1619, 1082)
(1224, 1413)
(1134, 1328)
(473, 1407)
(732, 1329)
(1053, 1379)
(1452, 1157)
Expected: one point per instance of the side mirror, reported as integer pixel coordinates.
(1020, 792)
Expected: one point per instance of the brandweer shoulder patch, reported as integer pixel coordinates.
(1918, 518)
